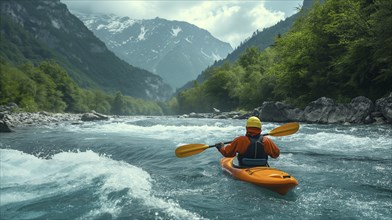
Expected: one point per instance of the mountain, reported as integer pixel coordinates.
(260, 39)
(177, 51)
(44, 29)
(266, 37)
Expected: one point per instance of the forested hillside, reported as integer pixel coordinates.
(260, 39)
(48, 87)
(340, 49)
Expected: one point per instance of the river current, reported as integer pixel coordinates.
(126, 168)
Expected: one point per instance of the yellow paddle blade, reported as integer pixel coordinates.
(286, 129)
(190, 149)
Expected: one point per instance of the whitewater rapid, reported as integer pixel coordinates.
(126, 168)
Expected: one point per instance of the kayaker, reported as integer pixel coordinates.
(251, 149)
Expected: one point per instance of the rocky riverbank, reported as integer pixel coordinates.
(360, 110)
(11, 119)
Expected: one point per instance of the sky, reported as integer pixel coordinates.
(229, 21)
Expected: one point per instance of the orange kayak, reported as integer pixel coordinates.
(271, 178)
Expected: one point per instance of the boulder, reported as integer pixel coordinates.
(94, 116)
(224, 116)
(197, 115)
(4, 127)
(325, 110)
(387, 112)
(369, 120)
(183, 116)
(384, 105)
(279, 112)
(232, 114)
(379, 120)
(256, 112)
(9, 107)
(243, 116)
(376, 114)
(270, 111)
(360, 108)
(319, 110)
(338, 114)
(294, 114)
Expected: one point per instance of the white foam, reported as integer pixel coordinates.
(332, 141)
(181, 134)
(26, 177)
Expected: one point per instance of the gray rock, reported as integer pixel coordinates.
(89, 117)
(360, 108)
(12, 105)
(271, 111)
(319, 110)
(325, 110)
(93, 116)
(376, 114)
(221, 117)
(232, 114)
(243, 116)
(368, 120)
(384, 105)
(102, 116)
(256, 112)
(295, 114)
(279, 112)
(4, 127)
(387, 112)
(379, 121)
(197, 115)
(9, 107)
(338, 114)
(44, 113)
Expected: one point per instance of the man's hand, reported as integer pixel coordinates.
(219, 145)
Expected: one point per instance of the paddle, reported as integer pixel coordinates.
(192, 149)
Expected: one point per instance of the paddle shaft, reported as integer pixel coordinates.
(192, 149)
(228, 142)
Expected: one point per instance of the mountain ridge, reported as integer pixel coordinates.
(175, 50)
(54, 33)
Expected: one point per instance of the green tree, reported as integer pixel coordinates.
(380, 22)
(118, 106)
(250, 57)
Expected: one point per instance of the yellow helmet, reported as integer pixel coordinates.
(253, 122)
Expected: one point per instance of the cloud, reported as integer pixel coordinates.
(229, 21)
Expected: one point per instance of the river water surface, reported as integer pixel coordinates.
(126, 168)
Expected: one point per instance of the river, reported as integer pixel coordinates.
(126, 168)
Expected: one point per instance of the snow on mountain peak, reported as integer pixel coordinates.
(118, 25)
(56, 24)
(213, 55)
(143, 31)
(176, 51)
(189, 40)
(174, 31)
